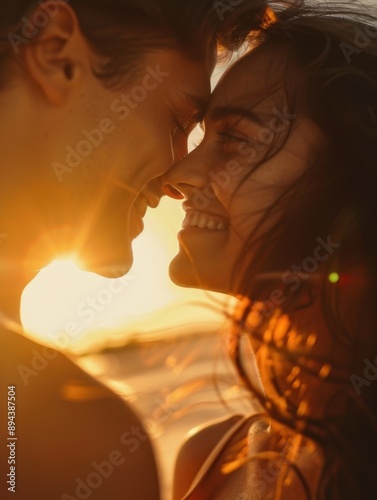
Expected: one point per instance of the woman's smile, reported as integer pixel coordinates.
(204, 220)
(227, 194)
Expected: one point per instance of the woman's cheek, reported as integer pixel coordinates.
(267, 175)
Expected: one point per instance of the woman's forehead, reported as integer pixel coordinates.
(256, 76)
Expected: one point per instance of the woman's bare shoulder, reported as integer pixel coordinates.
(199, 443)
(263, 435)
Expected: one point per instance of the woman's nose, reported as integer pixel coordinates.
(172, 192)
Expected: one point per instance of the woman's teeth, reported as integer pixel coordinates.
(203, 221)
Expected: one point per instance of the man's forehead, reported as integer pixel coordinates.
(190, 83)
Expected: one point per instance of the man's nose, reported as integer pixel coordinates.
(179, 147)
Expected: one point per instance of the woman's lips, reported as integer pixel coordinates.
(204, 220)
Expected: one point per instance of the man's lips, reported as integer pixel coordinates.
(143, 201)
(138, 211)
(141, 207)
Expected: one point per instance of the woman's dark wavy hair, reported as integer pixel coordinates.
(123, 30)
(332, 48)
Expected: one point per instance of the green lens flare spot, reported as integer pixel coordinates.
(334, 278)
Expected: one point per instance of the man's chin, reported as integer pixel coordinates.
(108, 255)
(104, 254)
(111, 270)
(114, 267)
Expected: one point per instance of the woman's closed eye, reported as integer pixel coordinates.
(227, 137)
(233, 133)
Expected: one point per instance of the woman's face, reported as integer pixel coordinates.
(253, 149)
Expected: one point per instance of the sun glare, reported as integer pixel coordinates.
(73, 309)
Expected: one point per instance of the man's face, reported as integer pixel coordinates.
(101, 175)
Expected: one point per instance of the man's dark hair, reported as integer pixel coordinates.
(123, 30)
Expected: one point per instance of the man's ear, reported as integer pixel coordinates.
(58, 55)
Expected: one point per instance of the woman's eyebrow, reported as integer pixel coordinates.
(221, 112)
